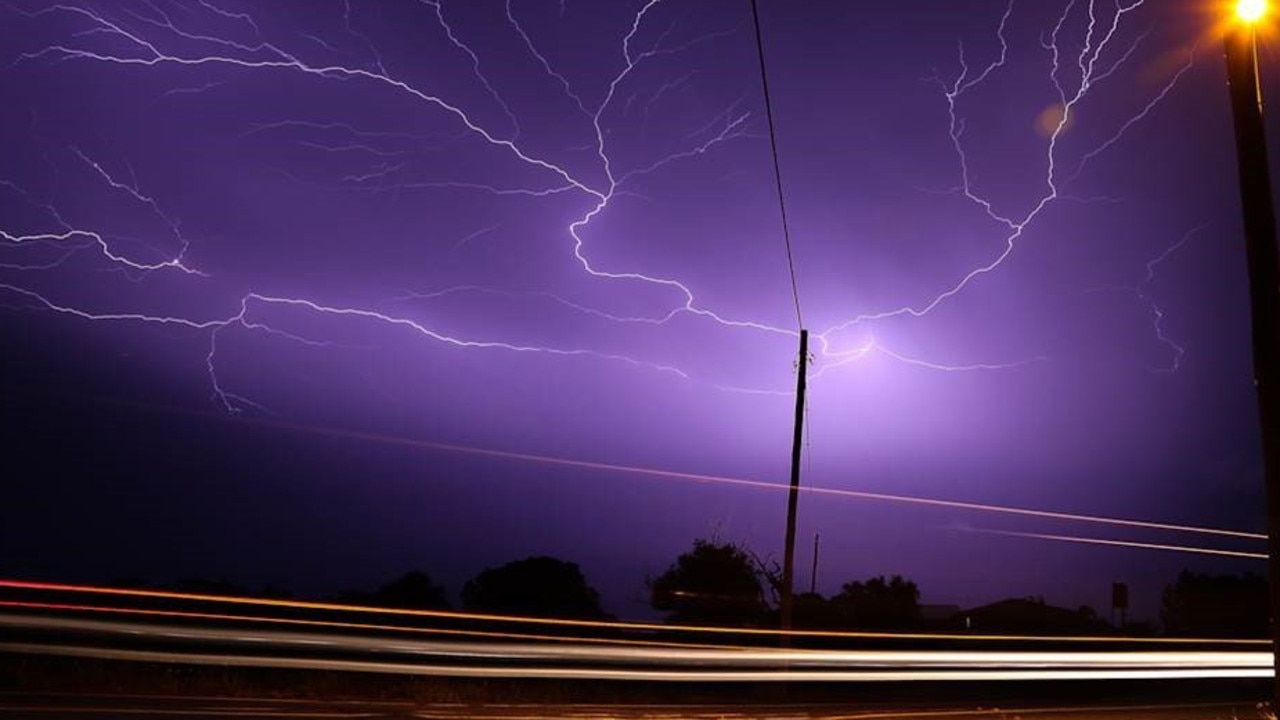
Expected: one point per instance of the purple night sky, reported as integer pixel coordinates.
(259, 261)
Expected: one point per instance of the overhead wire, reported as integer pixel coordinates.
(1127, 543)
(777, 169)
(394, 440)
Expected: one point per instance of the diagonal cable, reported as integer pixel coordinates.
(777, 171)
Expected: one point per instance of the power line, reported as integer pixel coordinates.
(338, 433)
(777, 170)
(1127, 543)
(399, 441)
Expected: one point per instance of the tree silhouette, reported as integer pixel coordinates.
(1033, 616)
(811, 610)
(879, 603)
(714, 583)
(540, 586)
(1216, 606)
(414, 589)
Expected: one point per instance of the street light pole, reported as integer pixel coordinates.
(1264, 271)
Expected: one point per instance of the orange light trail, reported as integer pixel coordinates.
(337, 624)
(602, 624)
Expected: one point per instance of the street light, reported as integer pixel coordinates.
(1264, 268)
(1251, 11)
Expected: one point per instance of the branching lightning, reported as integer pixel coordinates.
(157, 37)
(1142, 291)
(250, 58)
(1100, 36)
(77, 238)
(475, 65)
(1157, 313)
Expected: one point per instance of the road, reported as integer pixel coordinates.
(110, 640)
(91, 707)
(567, 659)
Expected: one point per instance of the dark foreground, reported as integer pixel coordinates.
(89, 707)
(79, 689)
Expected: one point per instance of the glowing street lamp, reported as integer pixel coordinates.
(1264, 266)
(1250, 11)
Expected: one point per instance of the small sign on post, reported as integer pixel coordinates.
(1119, 602)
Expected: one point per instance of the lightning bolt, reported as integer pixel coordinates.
(157, 37)
(1156, 312)
(1100, 36)
(874, 346)
(76, 238)
(1142, 292)
(241, 318)
(438, 5)
(261, 55)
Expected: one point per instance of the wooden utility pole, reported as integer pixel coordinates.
(797, 443)
(813, 576)
(1264, 280)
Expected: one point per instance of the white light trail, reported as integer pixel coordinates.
(663, 675)
(570, 651)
